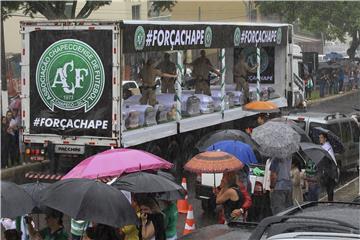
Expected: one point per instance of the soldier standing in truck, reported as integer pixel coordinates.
(166, 66)
(241, 70)
(147, 75)
(201, 68)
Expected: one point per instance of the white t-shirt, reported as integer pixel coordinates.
(326, 146)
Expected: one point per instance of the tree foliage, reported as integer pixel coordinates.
(160, 6)
(334, 19)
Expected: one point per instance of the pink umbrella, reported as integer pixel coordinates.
(115, 162)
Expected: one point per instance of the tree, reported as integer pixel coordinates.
(61, 9)
(160, 6)
(335, 19)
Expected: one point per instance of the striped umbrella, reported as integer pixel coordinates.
(213, 162)
(261, 106)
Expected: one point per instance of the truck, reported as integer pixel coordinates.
(72, 75)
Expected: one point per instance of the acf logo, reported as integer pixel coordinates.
(237, 37)
(208, 36)
(70, 76)
(139, 38)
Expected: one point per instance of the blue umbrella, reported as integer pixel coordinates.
(240, 150)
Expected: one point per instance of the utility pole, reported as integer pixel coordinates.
(199, 14)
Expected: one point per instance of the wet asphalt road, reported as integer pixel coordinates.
(343, 104)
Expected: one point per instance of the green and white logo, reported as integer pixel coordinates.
(208, 36)
(139, 38)
(278, 36)
(237, 34)
(70, 75)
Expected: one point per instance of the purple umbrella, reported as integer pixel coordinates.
(115, 162)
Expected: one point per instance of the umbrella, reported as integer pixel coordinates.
(142, 182)
(115, 162)
(321, 157)
(334, 140)
(262, 106)
(239, 149)
(90, 200)
(276, 139)
(229, 134)
(172, 195)
(293, 125)
(15, 201)
(35, 190)
(213, 162)
(315, 152)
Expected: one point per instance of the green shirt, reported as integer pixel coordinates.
(171, 218)
(58, 235)
(78, 227)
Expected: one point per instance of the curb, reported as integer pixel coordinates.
(314, 102)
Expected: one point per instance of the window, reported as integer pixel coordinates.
(301, 124)
(345, 132)
(335, 128)
(313, 125)
(135, 10)
(355, 131)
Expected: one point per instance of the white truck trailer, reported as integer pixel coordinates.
(72, 73)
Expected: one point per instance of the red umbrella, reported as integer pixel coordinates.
(213, 162)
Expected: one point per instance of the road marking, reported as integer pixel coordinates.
(344, 186)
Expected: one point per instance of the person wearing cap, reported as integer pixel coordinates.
(201, 68)
(241, 70)
(147, 76)
(166, 66)
(54, 230)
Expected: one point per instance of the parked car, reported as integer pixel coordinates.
(312, 220)
(308, 221)
(345, 127)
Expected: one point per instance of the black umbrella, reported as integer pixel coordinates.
(142, 182)
(334, 140)
(90, 200)
(323, 160)
(35, 190)
(315, 152)
(172, 195)
(294, 126)
(220, 135)
(15, 201)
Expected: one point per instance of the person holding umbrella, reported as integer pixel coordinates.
(54, 230)
(326, 180)
(234, 200)
(152, 220)
(280, 185)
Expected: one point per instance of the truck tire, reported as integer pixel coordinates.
(208, 205)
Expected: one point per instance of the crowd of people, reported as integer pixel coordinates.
(157, 221)
(10, 125)
(332, 81)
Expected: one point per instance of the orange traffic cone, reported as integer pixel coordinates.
(182, 204)
(189, 222)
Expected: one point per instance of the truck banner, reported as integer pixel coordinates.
(71, 82)
(154, 37)
(267, 63)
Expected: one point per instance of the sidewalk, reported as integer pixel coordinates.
(346, 193)
(331, 97)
